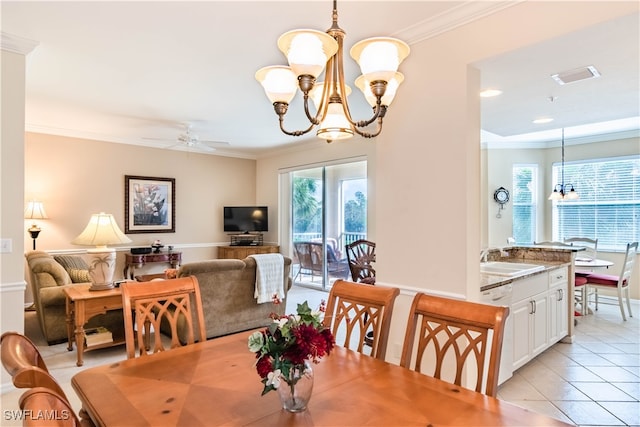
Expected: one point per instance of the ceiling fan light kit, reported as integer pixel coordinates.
(308, 53)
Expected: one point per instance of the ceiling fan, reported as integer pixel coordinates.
(191, 141)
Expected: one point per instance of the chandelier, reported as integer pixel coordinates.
(308, 52)
(563, 191)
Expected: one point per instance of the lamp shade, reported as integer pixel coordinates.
(389, 94)
(317, 91)
(35, 210)
(279, 83)
(307, 50)
(102, 230)
(379, 57)
(335, 124)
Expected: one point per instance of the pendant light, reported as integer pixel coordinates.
(563, 191)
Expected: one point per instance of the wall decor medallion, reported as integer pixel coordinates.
(149, 204)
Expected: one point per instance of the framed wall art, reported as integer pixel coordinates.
(149, 204)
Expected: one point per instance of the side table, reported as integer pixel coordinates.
(137, 261)
(81, 305)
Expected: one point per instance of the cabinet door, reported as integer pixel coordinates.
(521, 314)
(558, 314)
(540, 337)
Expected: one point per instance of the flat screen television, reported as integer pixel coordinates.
(246, 219)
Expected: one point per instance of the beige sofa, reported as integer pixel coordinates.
(48, 278)
(227, 289)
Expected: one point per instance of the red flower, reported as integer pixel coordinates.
(263, 366)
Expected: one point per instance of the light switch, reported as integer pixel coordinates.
(6, 246)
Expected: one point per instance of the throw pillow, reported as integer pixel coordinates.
(76, 267)
(79, 276)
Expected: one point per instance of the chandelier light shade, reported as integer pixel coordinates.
(35, 210)
(563, 191)
(102, 230)
(309, 52)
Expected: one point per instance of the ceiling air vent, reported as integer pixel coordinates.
(578, 74)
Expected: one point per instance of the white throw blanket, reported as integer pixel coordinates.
(269, 277)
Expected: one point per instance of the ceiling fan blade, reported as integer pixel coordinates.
(214, 142)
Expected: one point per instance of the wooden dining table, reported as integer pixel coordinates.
(215, 383)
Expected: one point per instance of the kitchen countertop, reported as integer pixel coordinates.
(489, 281)
(550, 256)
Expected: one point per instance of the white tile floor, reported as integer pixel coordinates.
(593, 382)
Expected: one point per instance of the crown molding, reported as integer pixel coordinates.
(452, 18)
(17, 44)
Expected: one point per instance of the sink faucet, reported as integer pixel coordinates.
(485, 253)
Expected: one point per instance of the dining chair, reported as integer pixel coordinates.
(590, 252)
(590, 246)
(353, 309)
(24, 363)
(174, 302)
(453, 334)
(361, 255)
(43, 407)
(620, 283)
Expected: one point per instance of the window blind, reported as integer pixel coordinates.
(609, 205)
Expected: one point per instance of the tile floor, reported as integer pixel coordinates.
(593, 382)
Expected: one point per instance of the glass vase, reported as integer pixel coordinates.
(295, 391)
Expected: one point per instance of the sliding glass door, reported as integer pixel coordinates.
(327, 208)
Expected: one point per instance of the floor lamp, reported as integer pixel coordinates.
(35, 210)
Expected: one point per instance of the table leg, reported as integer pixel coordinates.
(69, 313)
(79, 330)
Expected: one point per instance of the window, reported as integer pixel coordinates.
(525, 178)
(609, 205)
(354, 210)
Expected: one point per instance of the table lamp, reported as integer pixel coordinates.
(35, 210)
(101, 231)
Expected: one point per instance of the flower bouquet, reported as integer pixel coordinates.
(286, 346)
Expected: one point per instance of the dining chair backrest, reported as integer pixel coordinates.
(550, 243)
(452, 337)
(361, 255)
(354, 309)
(17, 352)
(619, 284)
(43, 407)
(22, 360)
(590, 246)
(173, 301)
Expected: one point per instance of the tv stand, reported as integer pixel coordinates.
(241, 252)
(247, 239)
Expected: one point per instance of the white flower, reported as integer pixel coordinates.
(273, 378)
(256, 341)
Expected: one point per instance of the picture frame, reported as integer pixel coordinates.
(149, 204)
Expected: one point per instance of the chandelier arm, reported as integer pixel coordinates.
(345, 105)
(314, 120)
(378, 113)
(370, 134)
(281, 109)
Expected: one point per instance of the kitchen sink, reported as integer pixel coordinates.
(509, 269)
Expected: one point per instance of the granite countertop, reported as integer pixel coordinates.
(490, 281)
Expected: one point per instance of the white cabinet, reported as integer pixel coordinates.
(558, 305)
(540, 313)
(529, 327)
(530, 313)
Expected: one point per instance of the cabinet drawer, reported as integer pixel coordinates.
(525, 288)
(558, 276)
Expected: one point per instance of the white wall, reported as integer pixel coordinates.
(12, 283)
(427, 159)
